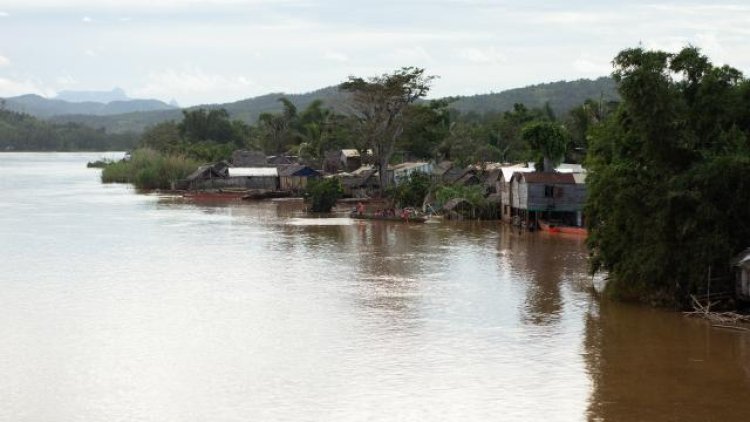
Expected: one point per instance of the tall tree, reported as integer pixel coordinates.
(379, 104)
(668, 176)
(279, 131)
(548, 141)
(427, 125)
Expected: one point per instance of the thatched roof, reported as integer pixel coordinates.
(246, 158)
(456, 203)
(209, 171)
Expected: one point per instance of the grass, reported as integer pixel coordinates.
(148, 169)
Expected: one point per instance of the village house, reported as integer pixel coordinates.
(462, 176)
(207, 176)
(360, 183)
(346, 160)
(294, 177)
(503, 187)
(439, 169)
(547, 196)
(266, 178)
(222, 176)
(742, 265)
(400, 173)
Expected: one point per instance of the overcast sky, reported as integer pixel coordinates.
(210, 51)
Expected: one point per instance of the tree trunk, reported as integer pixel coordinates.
(547, 165)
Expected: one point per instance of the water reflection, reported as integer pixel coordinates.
(652, 365)
(546, 264)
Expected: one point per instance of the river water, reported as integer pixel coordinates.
(119, 306)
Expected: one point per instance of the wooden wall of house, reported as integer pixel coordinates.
(743, 283)
(567, 197)
(293, 183)
(261, 182)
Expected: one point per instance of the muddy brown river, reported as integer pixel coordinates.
(119, 306)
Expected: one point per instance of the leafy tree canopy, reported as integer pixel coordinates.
(378, 103)
(669, 176)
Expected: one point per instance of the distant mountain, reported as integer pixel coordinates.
(561, 96)
(246, 110)
(117, 94)
(38, 106)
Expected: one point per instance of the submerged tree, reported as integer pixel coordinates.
(669, 176)
(379, 104)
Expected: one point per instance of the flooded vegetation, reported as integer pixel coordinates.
(116, 305)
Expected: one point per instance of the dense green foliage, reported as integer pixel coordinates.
(204, 135)
(412, 192)
(323, 193)
(669, 176)
(149, 169)
(548, 141)
(21, 132)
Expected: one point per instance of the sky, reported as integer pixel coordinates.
(215, 51)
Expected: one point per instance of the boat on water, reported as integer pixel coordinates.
(553, 227)
(401, 218)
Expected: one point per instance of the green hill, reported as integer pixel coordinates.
(22, 132)
(561, 96)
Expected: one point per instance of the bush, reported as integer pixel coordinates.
(412, 192)
(148, 169)
(324, 193)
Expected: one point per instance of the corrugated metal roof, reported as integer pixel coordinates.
(253, 172)
(407, 166)
(580, 178)
(509, 170)
(570, 168)
(549, 177)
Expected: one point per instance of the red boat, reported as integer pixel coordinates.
(558, 228)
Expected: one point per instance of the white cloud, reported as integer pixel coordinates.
(11, 88)
(193, 86)
(409, 56)
(336, 56)
(89, 52)
(576, 18)
(3, 14)
(4, 61)
(65, 81)
(142, 5)
(483, 56)
(86, 19)
(593, 67)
